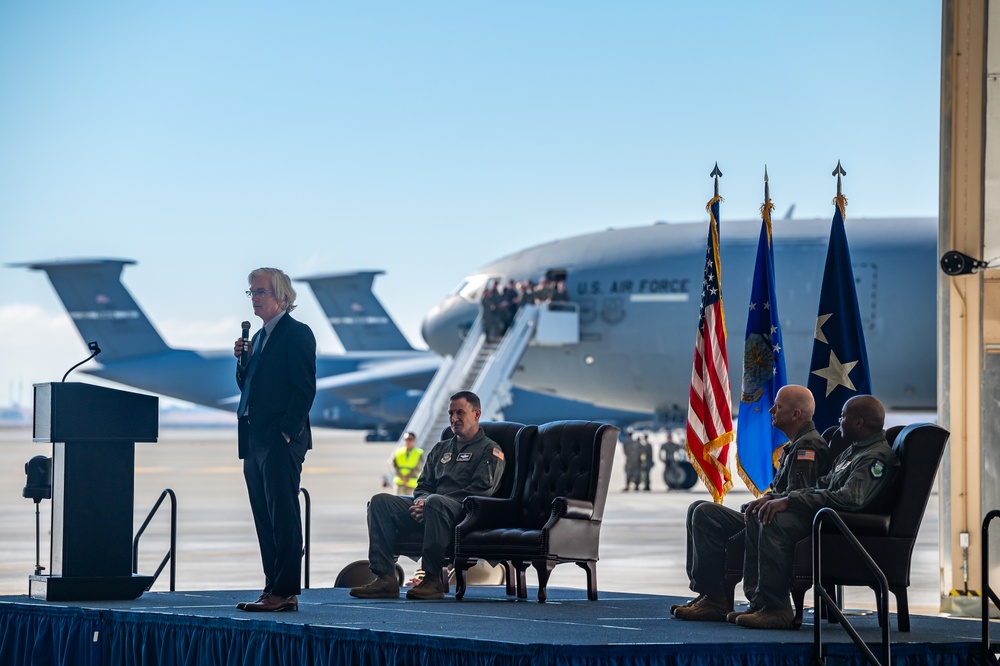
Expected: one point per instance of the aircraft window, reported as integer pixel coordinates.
(471, 287)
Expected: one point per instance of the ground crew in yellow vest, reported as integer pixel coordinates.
(407, 461)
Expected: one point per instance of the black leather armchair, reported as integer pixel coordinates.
(503, 433)
(555, 511)
(888, 538)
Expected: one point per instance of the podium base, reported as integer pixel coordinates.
(107, 588)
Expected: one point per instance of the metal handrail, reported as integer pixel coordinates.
(172, 552)
(820, 592)
(990, 649)
(307, 538)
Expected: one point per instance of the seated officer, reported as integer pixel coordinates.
(710, 526)
(467, 464)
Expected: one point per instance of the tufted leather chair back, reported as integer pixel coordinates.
(559, 459)
(920, 447)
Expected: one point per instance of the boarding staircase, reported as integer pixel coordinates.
(480, 366)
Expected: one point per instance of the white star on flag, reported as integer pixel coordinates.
(820, 320)
(836, 374)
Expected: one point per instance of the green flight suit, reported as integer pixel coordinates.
(860, 480)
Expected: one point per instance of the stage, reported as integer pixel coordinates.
(487, 627)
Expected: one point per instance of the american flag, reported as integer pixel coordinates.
(710, 418)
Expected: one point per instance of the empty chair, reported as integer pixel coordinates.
(554, 512)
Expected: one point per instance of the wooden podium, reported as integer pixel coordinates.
(93, 431)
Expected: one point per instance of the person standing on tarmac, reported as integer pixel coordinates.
(407, 461)
(645, 462)
(631, 449)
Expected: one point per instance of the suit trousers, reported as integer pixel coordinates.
(389, 517)
(273, 477)
(709, 527)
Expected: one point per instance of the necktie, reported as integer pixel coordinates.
(251, 367)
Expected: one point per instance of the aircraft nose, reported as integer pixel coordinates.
(444, 326)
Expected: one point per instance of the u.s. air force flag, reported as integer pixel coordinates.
(757, 442)
(839, 368)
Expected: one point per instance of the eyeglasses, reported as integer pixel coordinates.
(256, 292)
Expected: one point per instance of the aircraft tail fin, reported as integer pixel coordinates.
(101, 307)
(357, 316)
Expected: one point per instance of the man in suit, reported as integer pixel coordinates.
(277, 384)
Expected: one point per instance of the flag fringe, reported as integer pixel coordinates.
(722, 470)
(751, 486)
(840, 201)
(766, 209)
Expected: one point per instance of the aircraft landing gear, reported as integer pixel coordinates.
(679, 475)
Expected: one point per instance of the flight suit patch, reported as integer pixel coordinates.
(464, 457)
(843, 465)
(446, 458)
(805, 454)
(877, 469)
(498, 453)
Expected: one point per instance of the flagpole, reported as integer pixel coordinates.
(839, 367)
(767, 207)
(710, 420)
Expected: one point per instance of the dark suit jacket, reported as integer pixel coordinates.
(282, 390)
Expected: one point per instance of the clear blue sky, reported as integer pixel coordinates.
(204, 139)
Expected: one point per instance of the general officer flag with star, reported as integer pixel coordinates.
(839, 368)
(757, 442)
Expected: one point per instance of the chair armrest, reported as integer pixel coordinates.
(483, 512)
(862, 524)
(563, 507)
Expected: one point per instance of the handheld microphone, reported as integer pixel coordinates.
(245, 356)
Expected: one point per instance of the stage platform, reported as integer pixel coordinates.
(487, 627)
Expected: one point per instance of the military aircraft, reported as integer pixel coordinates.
(362, 324)
(375, 385)
(366, 390)
(637, 291)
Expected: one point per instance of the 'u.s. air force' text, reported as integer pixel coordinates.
(626, 286)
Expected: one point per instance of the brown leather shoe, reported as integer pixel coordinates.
(430, 587)
(767, 619)
(272, 603)
(243, 604)
(731, 617)
(692, 602)
(706, 610)
(385, 586)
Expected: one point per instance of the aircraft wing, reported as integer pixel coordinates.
(372, 379)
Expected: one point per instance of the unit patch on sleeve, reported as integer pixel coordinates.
(877, 468)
